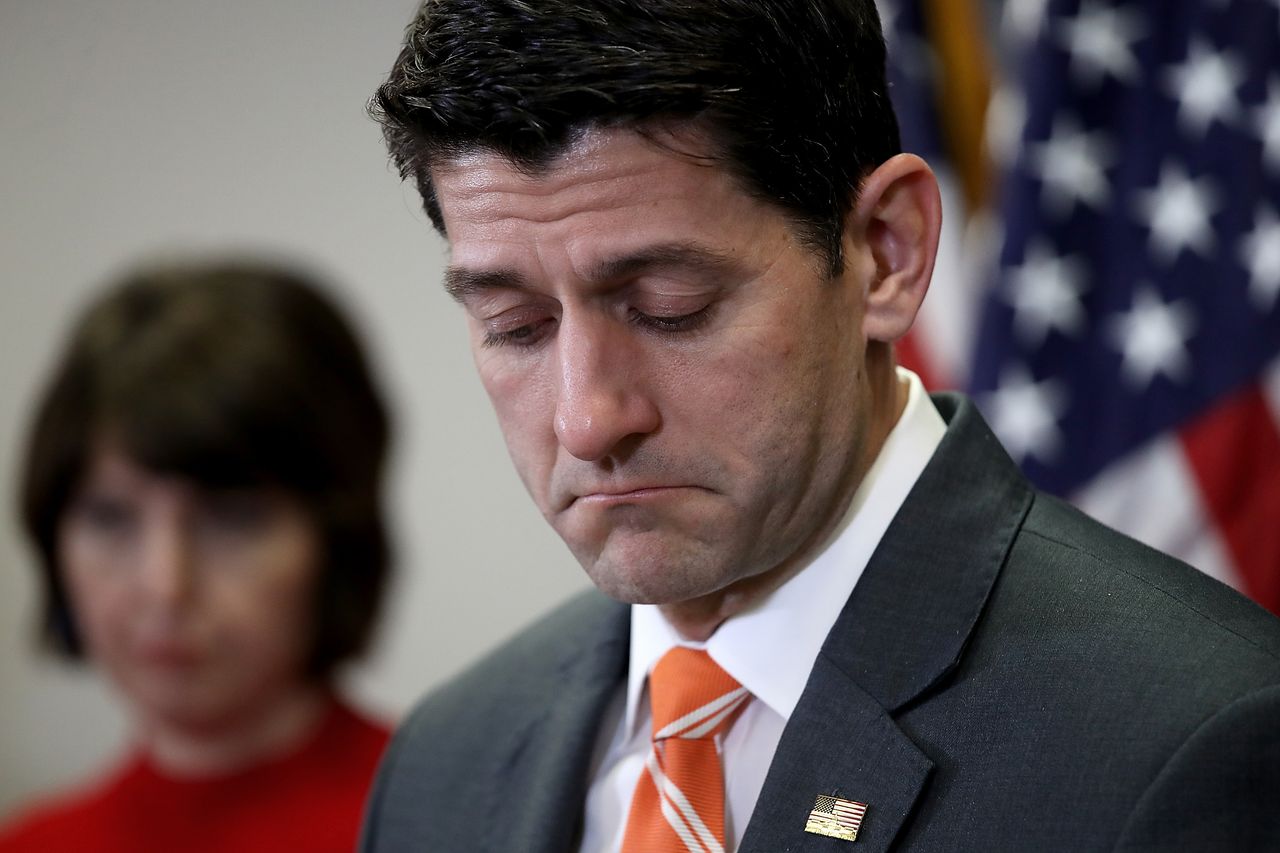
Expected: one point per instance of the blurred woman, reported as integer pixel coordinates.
(203, 489)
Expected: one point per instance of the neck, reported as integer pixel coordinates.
(192, 750)
(697, 619)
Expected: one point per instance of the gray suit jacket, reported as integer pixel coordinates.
(1007, 675)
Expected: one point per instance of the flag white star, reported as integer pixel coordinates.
(1267, 121)
(1152, 337)
(1205, 87)
(888, 10)
(1072, 166)
(1260, 252)
(1024, 18)
(1101, 41)
(1045, 294)
(1177, 210)
(1025, 414)
(913, 55)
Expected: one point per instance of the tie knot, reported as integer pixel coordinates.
(691, 696)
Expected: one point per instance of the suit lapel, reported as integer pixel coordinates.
(901, 633)
(839, 742)
(552, 745)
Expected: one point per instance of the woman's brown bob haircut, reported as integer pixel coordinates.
(232, 375)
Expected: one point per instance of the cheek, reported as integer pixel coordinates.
(524, 402)
(761, 407)
(519, 383)
(102, 616)
(97, 597)
(267, 611)
(739, 392)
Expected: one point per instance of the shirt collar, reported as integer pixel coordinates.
(770, 649)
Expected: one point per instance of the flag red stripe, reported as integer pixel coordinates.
(1234, 453)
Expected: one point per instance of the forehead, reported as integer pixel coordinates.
(665, 181)
(109, 466)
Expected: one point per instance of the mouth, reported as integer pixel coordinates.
(169, 656)
(613, 496)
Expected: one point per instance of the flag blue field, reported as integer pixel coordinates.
(1125, 338)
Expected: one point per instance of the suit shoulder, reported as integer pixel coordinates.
(472, 721)
(1229, 771)
(527, 665)
(500, 692)
(1082, 564)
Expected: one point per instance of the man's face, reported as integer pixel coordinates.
(681, 385)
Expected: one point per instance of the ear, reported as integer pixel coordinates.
(894, 227)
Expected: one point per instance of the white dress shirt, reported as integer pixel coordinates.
(769, 649)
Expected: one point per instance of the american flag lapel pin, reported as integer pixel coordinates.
(836, 818)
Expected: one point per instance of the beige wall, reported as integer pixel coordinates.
(135, 127)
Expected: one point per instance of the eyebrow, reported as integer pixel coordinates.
(689, 256)
(460, 282)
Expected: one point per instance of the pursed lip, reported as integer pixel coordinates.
(616, 495)
(168, 652)
(169, 655)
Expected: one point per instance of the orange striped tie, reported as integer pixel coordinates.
(678, 806)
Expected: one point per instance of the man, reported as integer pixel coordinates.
(685, 241)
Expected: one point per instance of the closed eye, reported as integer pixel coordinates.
(106, 514)
(526, 335)
(671, 323)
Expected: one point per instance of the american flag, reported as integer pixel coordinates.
(836, 818)
(1124, 341)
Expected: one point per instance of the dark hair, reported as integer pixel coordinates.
(793, 94)
(233, 374)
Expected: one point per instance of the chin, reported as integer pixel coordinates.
(186, 703)
(656, 576)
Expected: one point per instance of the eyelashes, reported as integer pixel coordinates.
(533, 333)
(668, 323)
(526, 335)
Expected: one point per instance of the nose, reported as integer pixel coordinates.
(165, 564)
(601, 398)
